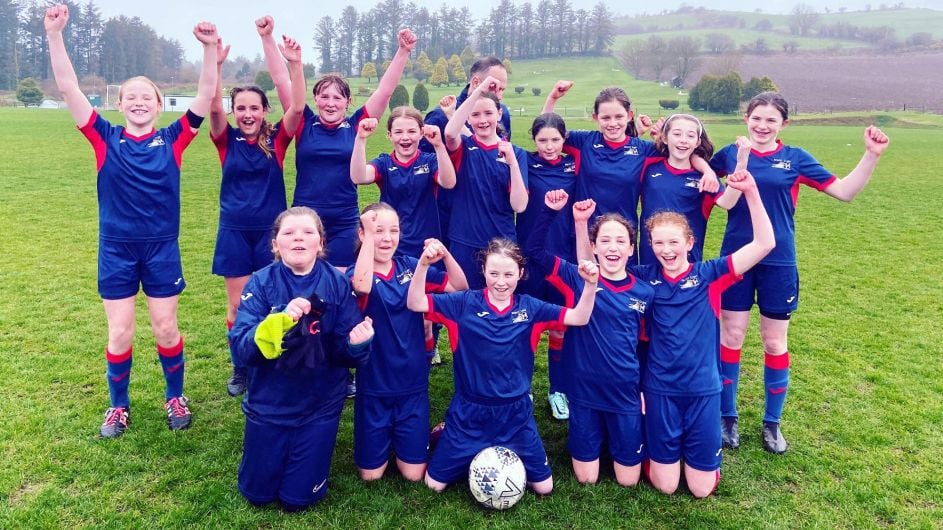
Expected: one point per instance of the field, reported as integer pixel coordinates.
(863, 417)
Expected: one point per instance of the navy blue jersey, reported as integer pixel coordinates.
(665, 187)
(543, 176)
(138, 180)
(438, 118)
(323, 164)
(410, 188)
(610, 173)
(684, 352)
(292, 398)
(600, 358)
(398, 363)
(481, 207)
(494, 349)
(252, 191)
(778, 175)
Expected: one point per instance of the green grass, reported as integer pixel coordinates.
(863, 417)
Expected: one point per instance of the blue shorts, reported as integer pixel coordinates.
(402, 420)
(241, 252)
(590, 427)
(683, 428)
(290, 464)
(467, 258)
(123, 268)
(471, 427)
(774, 288)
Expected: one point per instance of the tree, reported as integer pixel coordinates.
(28, 92)
(244, 73)
(507, 65)
(440, 73)
(684, 51)
(790, 46)
(632, 56)
(263, 80)
(535, 91)
(921, 38)
(9, 68)
(656, 53)
(421, 97)
(468, 58)
(718, 43)
(324, 42)
(756, 85)
(802, 19)
(717, 94)
(668, 104)
(456, 66)
(347, 26)
(602, 28)
(384, 67)
(369, 71)
(422, 68)
(400, 97)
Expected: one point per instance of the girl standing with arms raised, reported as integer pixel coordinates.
(139, 216)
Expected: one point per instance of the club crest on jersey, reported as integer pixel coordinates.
(637, 305)
(630, 151)
(519, 316)
(569, 167)
(691, 183)
(779, 163)
(421, 170)
(404, 277)
(156, 142)
(690, 282)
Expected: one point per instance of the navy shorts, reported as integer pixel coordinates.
(290, 464)
(590, 427)
(683, 428)
(123, 268)
(241, 252)
(400, 421)
(774, 288)
(471, 427)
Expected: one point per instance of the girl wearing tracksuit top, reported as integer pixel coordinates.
(139, 216)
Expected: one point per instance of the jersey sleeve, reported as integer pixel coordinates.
(566, 279)
(578, 139)
(179, 134)
(545, 316)
(436, 279)
(445, 308)
(281, 139)
(811, 172)
(96, 131)
(357, 116)
(521, 156)
(720, 162)
(347, 316)
(222, 142)
(720, 274)
(381, 165)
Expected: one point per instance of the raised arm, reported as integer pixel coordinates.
(446, 176)
(273, 61)
(732, 195)
(377, 102)
(518, 188)
(291, 50)
(846, 189)
(455, 128)
(559, 90)
(362, 280)
(535, 246)
(55, 21)
(218, 120)
(360, 171)
(709, 181)
(582, 212)
(457, 280)
(205, 32)
(416, 295)
(579, 315)
(764, 240)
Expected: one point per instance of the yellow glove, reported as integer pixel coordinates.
(270, 332)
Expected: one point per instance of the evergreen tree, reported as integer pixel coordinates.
(399, 98)
(28, 92)
(369, 71)
(421, 97)
(440, 73)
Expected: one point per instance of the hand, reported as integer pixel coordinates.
(56, 18)
(366, 127)
(744, 146)
(741, 180)
(432, 134)
(433, 252)
(362, 333)
(447, 104)
(645, 124)
(875, 141)
(265, 25)
(560, 89)
(657, 129)
(205, 32)
(369, 223)
(589, 271)
(506, 150)
(490, 84)
(222, 52)
(297, 307)
(290, 49)
(709, 183)
(556, 199)
(407, 39)
(583, 210)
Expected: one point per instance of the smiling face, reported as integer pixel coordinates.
(140, 103)
(764, 123)
(249, 111)
(484, 120)
(612, 119)
(502, 274)
(682, 137)
(386, 235)
(405, 134)
(298, 242)
(613, 247)
(671, 243)
(549, 143)
(331, 103)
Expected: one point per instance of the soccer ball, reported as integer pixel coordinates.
(496, 478)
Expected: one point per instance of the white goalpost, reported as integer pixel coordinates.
(111, 97)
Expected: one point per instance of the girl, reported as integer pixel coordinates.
(252, 191)
(392, 404)
(774, 284)
(548, 168)
(297, 330)
(492, 184)
(681, 379)
(610, 160)
(601, 359)
(494, 336)
(408, 179)
(139, 216)
(325, 141)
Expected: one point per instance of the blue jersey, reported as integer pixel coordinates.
(438, 118)
(610, 173)
(600, 358)
(778, 175)
(293, 398)
(323, 164)
(410, 188)
(138, 180)
(665, 187)
(543, 176)
(684, 352)
(252, 192)
(494, 349)
(481, 208)
(398, 363)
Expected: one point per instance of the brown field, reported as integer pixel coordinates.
(818, 82)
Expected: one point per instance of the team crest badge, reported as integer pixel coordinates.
(519, 316)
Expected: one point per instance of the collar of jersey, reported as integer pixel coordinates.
(676, 170)
(388, 276)
(617, 145)
(144, 136)
(778, 148)
(554, 162)
(408, 162)
(492, 306)
(618, 289)
(484, 146)
(678, 277)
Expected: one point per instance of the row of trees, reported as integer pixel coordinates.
(113, 49)
(725, 93)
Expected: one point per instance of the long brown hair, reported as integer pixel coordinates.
(265, 128)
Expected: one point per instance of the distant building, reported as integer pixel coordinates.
(178, 103)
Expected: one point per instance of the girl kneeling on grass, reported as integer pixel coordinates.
(494, 336)
(139, 216)
(392, 403)
(297, 330)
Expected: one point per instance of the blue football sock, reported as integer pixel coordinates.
(118, 373)
(730, 373)
(776, 381)
(171, 360)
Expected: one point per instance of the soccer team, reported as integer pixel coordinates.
(473, 235)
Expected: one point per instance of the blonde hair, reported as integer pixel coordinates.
(145, 80)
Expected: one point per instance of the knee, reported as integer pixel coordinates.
(165, 330)
(369, 475)
(734, 332)
(544, 487)
(627, 481)
(774, 342)
(412, 473)
(664, 483)
(120, 336)
(702, 488)
(434, 484)
(586, 478)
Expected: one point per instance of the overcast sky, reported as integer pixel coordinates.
(297, 18)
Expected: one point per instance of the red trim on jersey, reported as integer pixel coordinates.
(678, 277)
(408, 162)
(221, 143)
(540, 327)
(281, 142)
(776, 362)
(183, 139)
(729, 355)
(388, 276)
(575, 153)
(456, 156)
(619, 144)
(118, 358)
(677, 170)
(496, 310)
(229, 324)
(554, 279)
(450, 325)
(720, 285)
(98, 143)
(555, 162)
(377, 176)
(432, 287)
(616, 289)
(554, 342)
(707, 204)
(484, 146)
(171, 351)
(362, 300)
(778, 148)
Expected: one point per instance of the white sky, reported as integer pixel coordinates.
(297, 18)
